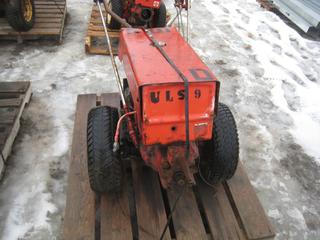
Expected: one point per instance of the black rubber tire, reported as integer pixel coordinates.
(219, 157)
(104, 166)
(117, 8)
(160, 16)
(15, 15)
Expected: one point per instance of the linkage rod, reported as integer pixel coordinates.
(114, 65)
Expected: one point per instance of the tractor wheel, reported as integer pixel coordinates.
(219, 156)
(20, 14)
(104, 166)
(160, 16)
(117, 8)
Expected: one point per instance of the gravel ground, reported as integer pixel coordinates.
(269, 77)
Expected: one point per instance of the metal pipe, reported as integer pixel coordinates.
(114, 65)
(171, 21)
(187, 21)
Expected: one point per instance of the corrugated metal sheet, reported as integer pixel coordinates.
(304, 13)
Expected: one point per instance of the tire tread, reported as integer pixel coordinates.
(104, 166)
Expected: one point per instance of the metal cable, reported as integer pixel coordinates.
(201, 176)
(172, 211)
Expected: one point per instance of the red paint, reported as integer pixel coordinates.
(148, 72)
(148, 3)
(158, 98)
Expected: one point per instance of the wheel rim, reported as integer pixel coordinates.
(108, 15)
(27, 10)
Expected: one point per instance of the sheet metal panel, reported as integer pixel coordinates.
(304, 13)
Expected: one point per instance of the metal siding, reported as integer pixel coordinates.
(304, 13)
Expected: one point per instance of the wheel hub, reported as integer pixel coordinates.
(27, 10)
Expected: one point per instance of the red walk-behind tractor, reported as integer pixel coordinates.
(169, 115)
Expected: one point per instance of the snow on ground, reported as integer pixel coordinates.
(270, 79)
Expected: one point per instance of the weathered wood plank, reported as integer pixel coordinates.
(79, 220)
(248, 206)
(111, 99)
(14, 87)
(55, 25)
(7, 95)
(186, 218)
(115, 212)
(96, 33)
(5, 130)
(50, 10)
(11, 102)
(149, 204)
(49, 2)
(219, 214)
(50, 15)
(115, 216)
(34, 31)
(38, 27)
(8, 115)
(48, 20)
(58, 6)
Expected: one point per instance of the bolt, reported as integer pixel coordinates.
(180, 178)
(181, 182)
(165, 165)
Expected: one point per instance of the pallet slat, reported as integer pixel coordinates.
(4, 133)
(14, 87)
(12, 102)
(186, 218)
(79, 220)
(115, 212)
(38, 31)
(38, 7)
(219, 214)
(149, 203)
(8, 115)
(254, 219)
(115, 216)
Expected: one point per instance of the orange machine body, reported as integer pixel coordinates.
(148, 3)
(157, 90)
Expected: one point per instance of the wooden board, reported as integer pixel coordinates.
(229, 211)
(95, 42)
(13, 98)
(49, 22)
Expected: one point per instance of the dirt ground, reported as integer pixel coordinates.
(269, 77)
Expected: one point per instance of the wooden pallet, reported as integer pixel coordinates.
(95, 42)
(49, 22)
(13, 98)
(230, 211)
